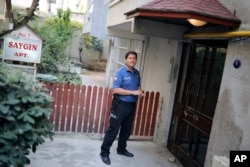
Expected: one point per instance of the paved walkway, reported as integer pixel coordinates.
(93, 78)
(79, 150)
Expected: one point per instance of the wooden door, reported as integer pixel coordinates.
(195, 101)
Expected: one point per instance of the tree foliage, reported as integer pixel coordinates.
(57, 32)
(19, 18)
(94, 43)
(97, 44)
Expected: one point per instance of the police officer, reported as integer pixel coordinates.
(126, 90)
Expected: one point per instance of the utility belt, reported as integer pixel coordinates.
(127, 103)
(117, 101)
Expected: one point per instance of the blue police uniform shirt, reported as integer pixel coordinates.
(128, 80)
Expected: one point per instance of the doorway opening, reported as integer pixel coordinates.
(198, 87)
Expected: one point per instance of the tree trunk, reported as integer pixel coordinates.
(10, 16)
(31, 11)
(9, 12)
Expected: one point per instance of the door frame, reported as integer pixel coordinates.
(181, 112)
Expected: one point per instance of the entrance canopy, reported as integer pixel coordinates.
(178, 11)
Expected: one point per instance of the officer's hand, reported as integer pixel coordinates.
(138, 93)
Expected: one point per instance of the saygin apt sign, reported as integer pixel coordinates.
(22, 44)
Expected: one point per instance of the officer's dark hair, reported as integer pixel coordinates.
(130, 52)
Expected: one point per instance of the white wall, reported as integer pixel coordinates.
(242, 10)
(99, 19)
(142, 2)
(116, 12)
(155, 77)
(230, 130)
(88, 17)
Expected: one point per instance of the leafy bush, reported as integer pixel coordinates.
(24, 111)
(66, 75)
(57, 32)
(94, 43)
(69, 77)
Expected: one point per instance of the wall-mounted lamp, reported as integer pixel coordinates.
(196, 23)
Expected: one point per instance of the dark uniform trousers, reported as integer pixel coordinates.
(121, 118)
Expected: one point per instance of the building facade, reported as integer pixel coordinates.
(200, 72)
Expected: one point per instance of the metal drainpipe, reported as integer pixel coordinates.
(231, 34)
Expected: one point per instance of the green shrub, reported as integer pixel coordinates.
(65, 75)
(57, 33)
(69, 77)
(24, 111)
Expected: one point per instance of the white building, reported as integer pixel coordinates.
(201, 72)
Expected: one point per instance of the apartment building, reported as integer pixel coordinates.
(201, 71)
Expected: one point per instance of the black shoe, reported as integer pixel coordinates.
(105, 159)
(126, 153)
